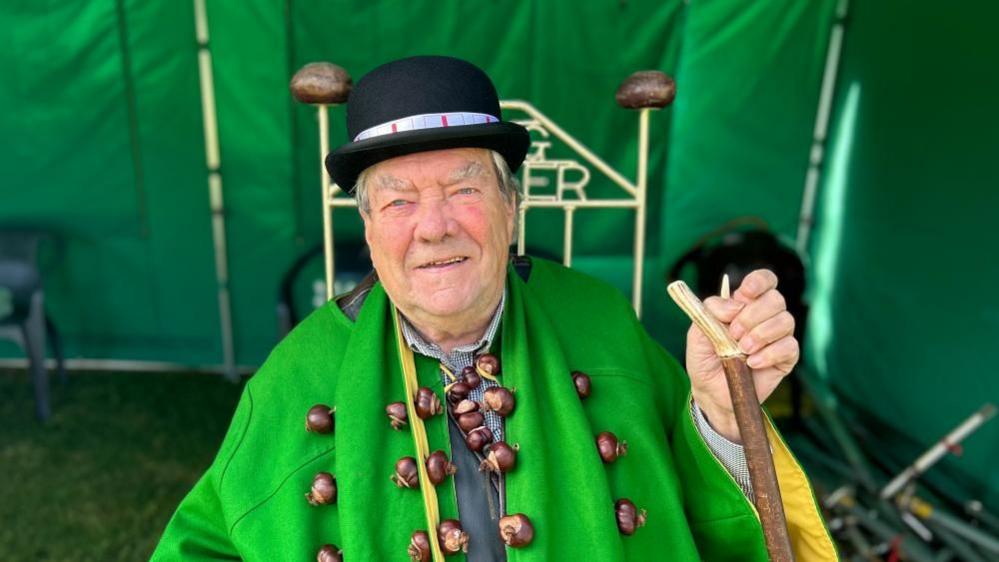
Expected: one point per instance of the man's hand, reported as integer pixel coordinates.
(757, 318)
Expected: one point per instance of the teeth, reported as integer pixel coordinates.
(446, 262)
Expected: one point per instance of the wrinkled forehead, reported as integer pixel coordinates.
(442, 167)
(466, 171)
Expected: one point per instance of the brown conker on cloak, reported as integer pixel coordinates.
(471, 377)
(397, 414)
(439, 467)
(501, 458)
(516, 530)
(468, 422)
(419, 547)
(323, 489)
(498, 399)
(407, 475)
(488, 363)
(465, 407)
(582, 382)
(479, 438)
(427, 403)
(458, 392)
(609, 446)
(453, 539)
(319, 419)
(329, 553)
(629, 518)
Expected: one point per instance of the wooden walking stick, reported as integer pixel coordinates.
(763, 476)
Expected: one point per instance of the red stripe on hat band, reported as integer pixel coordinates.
(426, 121)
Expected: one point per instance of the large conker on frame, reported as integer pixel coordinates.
(319, 419)
(516, 530)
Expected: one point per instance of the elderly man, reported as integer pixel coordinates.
(463, 404)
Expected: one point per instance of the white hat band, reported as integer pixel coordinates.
(426, 121)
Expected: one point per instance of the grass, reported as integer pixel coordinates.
(100, 480)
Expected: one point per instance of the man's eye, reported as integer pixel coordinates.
(467, 191)
(398, 203)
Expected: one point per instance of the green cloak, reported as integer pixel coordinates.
(250, 503)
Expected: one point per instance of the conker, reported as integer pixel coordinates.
(323, 489)
(609, 446)
(319, 419)
(397, 415)
(501, 458)
(419, 547)
(629, 517)
(439, 467)
(582, 382)
(465, 407)
(487, 365)
(468, 422)
(407, 475)
(451, 536)
(498, 399)
(329, 553)
(478, 438)
(471, 377)
(516, 530)
(457, 392)
(427, 403)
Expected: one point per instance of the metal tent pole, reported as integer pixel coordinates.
(213, 163)
(817, 155)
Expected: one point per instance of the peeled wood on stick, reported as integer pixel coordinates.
(762, 474)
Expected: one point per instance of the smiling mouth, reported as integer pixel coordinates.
(437, 264)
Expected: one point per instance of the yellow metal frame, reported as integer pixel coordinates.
(634, 192)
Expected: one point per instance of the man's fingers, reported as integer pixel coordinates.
(755, 284)
(781, 355)
(723, 309)
(767, 332)
(766, 306)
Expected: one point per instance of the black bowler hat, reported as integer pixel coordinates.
(419, 104)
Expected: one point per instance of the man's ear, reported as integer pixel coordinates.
(511, 217)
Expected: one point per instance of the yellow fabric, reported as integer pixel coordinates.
(809, 538)
(420, 439)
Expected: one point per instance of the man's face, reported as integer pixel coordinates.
(439, 231)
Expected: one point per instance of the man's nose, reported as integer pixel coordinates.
(435, 222)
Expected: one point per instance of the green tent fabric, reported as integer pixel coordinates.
(103, 147)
